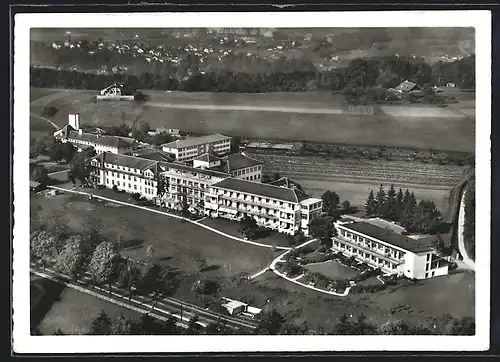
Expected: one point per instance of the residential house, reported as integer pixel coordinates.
(192, 147)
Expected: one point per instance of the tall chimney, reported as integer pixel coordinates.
(80, 131)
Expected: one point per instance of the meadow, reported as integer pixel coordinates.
(297, 118)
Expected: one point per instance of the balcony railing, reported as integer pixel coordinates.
(353, 244)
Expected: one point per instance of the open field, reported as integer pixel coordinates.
(231, 228)
(72, 311)
(290, 116)
(175, 242)
(453, 294)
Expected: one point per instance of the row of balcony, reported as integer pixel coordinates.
(365, 249)
(379, 248)
(250, 201)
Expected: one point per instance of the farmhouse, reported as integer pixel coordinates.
(407, 87)
(74, 134)
(217, 194)
(114, 92)
(192, 147)
(286, 182)
(392, 252)
(277, 208)
(278, 148)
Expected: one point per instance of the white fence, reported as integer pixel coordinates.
(114, 98)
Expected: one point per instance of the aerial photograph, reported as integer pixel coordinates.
(252, 181)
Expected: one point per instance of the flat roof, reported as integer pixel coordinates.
(390, 237)
(195, 141)
(263, 190)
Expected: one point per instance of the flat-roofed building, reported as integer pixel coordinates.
(189, 148)
(392, 252)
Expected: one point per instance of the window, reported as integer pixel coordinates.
(426, 267)
(129, 186)
(433, 274)
(426, 275)
(428, 256)
(118, 183)
(135, 187)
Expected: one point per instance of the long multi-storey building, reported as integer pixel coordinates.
(179, 183)
(192, 147)
(392, 252)
(237, 165)
(279, 208)
(101, 143)
(217, 194)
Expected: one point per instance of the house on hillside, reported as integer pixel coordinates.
(407, 87)
(114, 92)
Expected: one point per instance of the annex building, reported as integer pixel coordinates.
(390, 251)
(213, 193)
(190, 148)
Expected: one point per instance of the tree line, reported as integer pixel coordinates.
(469, 231)
(403, 207)
(361, 76)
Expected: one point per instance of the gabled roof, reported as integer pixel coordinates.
(153, 154)
(207, 157)
(112, 141)
(196, 141)
(112, 86)
(65, 131)
(406, 86)
(285, 182)
(237, 161)
(390, 237)
(263, 190)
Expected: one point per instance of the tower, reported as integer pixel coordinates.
(74, 121)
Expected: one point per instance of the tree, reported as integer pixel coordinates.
(71, 259)
(399, 203)
(392, 208)
(67, 151)
(104, 262)
(202, 264)
(124, 326)
(248, 227)
(322, 229)
(270, 323)
(142, 126)
(39, 174)
(101, 324)
(167, 281)
(370, 204)
(129, 276)
(330, 202)
(43, 245)
(362, 327)
(394, 328)
(381, 201)
(346, 205)
(80, 166)
(150, 251)
(343, 326)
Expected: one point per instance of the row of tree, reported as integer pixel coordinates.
(360, 75)
(414, 216)
(469, 231)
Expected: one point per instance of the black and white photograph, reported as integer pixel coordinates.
(199, 179)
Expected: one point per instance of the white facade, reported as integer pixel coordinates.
(412, 261)
(74, 121)
(310, 209)
(192, 147)
(253, 173)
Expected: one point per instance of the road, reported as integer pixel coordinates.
(217, 107)
(460, 235)
(56, 127)
(158, 308)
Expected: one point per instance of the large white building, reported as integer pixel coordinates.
(392, 252)
(279, 208)
(192, 147)
(217, 194)
(101, 143)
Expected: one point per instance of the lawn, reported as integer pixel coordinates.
(332, 270)
(175, 242)
(231, 228)
(72, 311)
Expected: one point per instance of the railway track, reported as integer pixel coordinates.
(162, 308)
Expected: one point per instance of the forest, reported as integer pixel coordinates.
(360, 77)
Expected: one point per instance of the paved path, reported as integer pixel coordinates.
(460, 235)
(241, 240)
(295, 280)
(45, 119)
(217, 107)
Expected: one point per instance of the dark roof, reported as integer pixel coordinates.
(263, 190)
(237, 161)
(142, 164)
(389, 236)
(406, 86)
(285, 182)
(153, 154)
(207, 157)
(114, 141)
